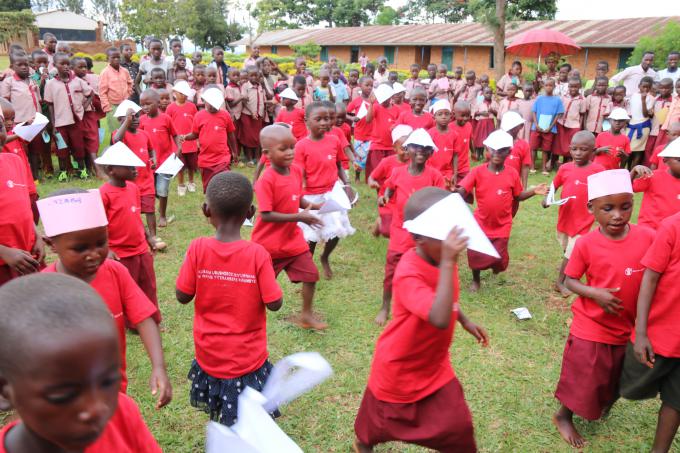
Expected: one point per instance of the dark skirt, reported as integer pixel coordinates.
(219, 397)
(249, 131)
(563, 143)
(480, 261)
(483, 127)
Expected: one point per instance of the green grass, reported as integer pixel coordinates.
(509, 386)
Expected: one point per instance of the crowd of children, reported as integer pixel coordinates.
(414, 141)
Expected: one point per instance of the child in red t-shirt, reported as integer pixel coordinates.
(416, 117)
(382, 173)
(381, 116)
(182, 113)
(673, 132)
(216, 136)
(451, 157)
(75, 220)
(612, 147)
(399, 187)
(412, 384)
(279, 197)
(362, 129)
(604, 313)
(289, 114)
(233, 283)
(320, 157)
(574, 218)
(520, 154)
(496, 188)
(347, 155)
(652, 363)
(129, 242)
(165, 140)
(83, 355)
(460, 122)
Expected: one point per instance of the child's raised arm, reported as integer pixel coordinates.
(452, 246)
(159, 382)
(120, 133)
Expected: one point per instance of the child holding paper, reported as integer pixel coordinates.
(413, 394)
(279, 196)
(604, 313)
(416, 117)
(545, 112)
(356, 112)
(182, 113)
(451, 158)
(574, 218)
(381, 116)
(230, 321)
(496, 187)
(612, 147)
(399, 187)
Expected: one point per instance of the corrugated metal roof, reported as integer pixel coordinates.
(65, 20)
(586, 33)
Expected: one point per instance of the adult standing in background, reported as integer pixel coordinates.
(671, 71)
(632, 75)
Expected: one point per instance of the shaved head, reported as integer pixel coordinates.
(423, 199)
(583, 138)
(275, 133)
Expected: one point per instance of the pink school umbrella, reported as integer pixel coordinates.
(541, 43)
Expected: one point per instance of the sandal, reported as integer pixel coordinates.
(63, 176)
(159, 244)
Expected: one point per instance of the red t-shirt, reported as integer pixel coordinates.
(495, 194)
(403, 184)
(611, 160)
(125, 432)
(573, 217)
(213, 130)
(140, 144)
(319, 162)
(124, 299)
(18, 147)
(661, 198)
(362, 129)
(232, 282)
(123, 209)
(347, 130)
(182, 117)
(279, 193)
(344, 143)
(664, 257)
(423, 121)
(520, 156)
(295, 119)
(656, 160)
(464, 132)
(383, 121)
(403, 107)
(448, 145)
(161, 132)
(412, 359)
(17, 230)
(381, 174)
(608, 264)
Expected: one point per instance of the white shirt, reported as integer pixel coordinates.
(631, 77)
(666, 74)
(635, 102)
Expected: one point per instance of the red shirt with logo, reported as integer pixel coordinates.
(140, 144)
(573, 217)
(123, 210)
(423, 121)
(17, 230)
(610, 160)
(384, 120)
(448, 145)
(661, 197)
(362, 129)
(161, 132)
(19, 147)
(295, 119)
(182, 117)
(213, 130)
(319, 162)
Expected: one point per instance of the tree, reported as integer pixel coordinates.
(387, 16)
(206, 25)
(309, 50)
(661, 42)
(276, 14)
(15, 23)
(437, 11)
(75, 6)
(109, 12)
(159, 18)
(14, 5)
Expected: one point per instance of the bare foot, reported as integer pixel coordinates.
(474, 286)
(327, 271)
(382, 317)
(358, 447)
(376, 228)
(308, 321)
(567, 430)
(560, 288)
(162, 222)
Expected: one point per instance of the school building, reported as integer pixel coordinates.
(469, 45)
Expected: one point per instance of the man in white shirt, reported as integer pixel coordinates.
(631, 76)
(671, 71)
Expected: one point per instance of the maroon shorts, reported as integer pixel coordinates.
(649, 148)
(249, 131)
(74, 137)
(589, 381)
(385, 223)
(479, 261)
(391, 261)
(299, 268)
(440, 421)
(190, 161)
(482, 128)
(542, 141)
(374, 158)
(563, 143)
(90, 127)
(142, 272)
(207, 173)
(34, 207)
(148, 205)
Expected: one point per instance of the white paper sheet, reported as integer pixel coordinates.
(550, 199)
(247, 223)
(544, 121)
(363, 111)
(171, 166)
(522, 313)
(29, 131)
(438, 221)
(606, 125)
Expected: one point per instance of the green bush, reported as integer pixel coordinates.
(99, 57)
(661, 44)
(82, 55)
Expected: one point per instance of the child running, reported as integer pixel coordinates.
(520, 154)
(416, 117)
(381, 116)
(232, 282)
(182, 113)
(362, 129)
(413, 394)
(604, 313)
(291, 115)
(450, 158)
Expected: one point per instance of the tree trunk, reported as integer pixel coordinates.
(499, 40)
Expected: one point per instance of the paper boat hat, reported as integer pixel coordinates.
(609, 182)
(182, 86)
(398, 88)
(671, 150)
(498, 139)
(383, 93)
(511, 120)
(124, 106)
(289, 94)
(401, 130)
(214, 97)
(72, 212)
(420, 137)
(119, 154)
(619, 114)
(441, 104)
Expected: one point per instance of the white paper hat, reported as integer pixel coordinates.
(441, 104)
(671, 150)
(401, 130)
(619, 114)
(511, 120)
(214, 97)
(398, 88)
(182, 86)
(383, 93)
(420, 137)
(72, 212)
(609, 182)
(119, 154)
(498, 139)
(124, 106)
(288, 93)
